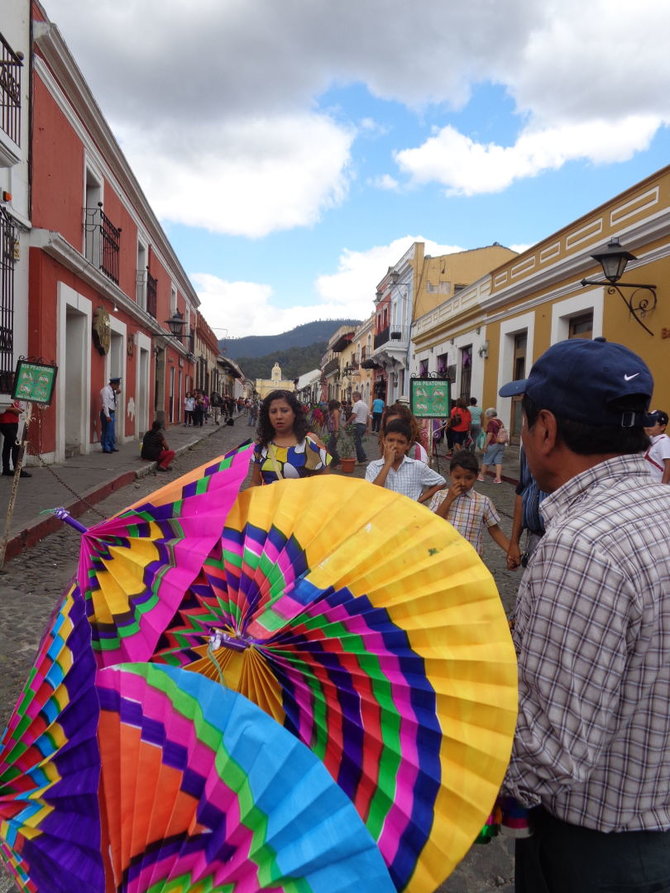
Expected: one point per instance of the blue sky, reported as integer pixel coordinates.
(294, 148)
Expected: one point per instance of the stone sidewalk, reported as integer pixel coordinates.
(83, 481)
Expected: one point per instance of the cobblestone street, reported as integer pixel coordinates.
(33, 581)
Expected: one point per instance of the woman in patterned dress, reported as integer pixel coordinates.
(284, 448)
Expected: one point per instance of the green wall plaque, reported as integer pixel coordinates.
(430, 398)
(34, 382)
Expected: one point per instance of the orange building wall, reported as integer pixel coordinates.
(57, 188)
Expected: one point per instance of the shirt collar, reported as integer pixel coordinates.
(611, 471)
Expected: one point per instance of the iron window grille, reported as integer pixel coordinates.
(8, 238)
(10, 91)
(102, 242)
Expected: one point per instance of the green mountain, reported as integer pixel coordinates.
(301, 336)
(294, 361)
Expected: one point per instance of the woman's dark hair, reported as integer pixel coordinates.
(333, 404)
(589, 440)
(157, 426)
(399, 426)
(265, 432)
(465, 459)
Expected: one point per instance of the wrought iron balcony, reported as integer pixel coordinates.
(382, 337)
(10, 91)
(102, 242)
(332, 366)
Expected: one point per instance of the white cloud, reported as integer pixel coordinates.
(247, 308)
(251, 177)
(359, 271)
(466, 167)
(386, 182)
(226, 90)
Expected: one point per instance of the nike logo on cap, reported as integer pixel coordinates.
(630, 377)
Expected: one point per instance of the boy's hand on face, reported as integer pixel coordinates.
(391, 453)
(457, 488)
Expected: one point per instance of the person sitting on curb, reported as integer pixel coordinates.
(156, 449)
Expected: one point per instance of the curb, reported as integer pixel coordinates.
(42, 527)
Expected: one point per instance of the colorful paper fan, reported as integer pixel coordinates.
(134, 568)
(369, 628)
(50, 765)
(203, 791)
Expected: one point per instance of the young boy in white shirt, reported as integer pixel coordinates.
(396, 471)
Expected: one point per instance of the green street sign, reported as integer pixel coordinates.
(34, 382)
(430, 397)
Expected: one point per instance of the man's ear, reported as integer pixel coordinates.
(547, 431)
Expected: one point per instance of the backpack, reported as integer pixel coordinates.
(503, 435)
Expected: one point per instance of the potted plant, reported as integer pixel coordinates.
(346, 448)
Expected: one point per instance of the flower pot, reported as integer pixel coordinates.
(347, 465)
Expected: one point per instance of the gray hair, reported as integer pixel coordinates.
(491, 412)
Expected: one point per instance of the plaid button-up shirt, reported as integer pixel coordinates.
(593, 640)
(471, 514)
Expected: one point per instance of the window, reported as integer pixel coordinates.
(442, 364)
(581, 326)
(10, 91)
(466, 371)
(519, 356)
(423, 368)
(142, 270)
(102, 239)
(8, 240)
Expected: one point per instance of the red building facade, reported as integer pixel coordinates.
(103, 279)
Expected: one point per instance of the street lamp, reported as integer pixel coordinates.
(614, 260)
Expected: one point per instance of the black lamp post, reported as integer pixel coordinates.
(614, 260)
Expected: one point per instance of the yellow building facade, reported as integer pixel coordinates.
(492, 331)
(265, 385)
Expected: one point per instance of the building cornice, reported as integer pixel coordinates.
(580, 263)
(66, 83)
(53, 244)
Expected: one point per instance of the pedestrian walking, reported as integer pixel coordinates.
(592, 631)
(107, 415)
(215, 402)
(333, 420)
(475, 422)
(189, 407)
(378, 405)
(199, 410)
(360, 413)
(494, 447)
(9, 428)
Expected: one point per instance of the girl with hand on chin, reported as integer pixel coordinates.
(284, 448)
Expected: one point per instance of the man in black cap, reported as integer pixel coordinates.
(107, 414)
(591, 755)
